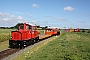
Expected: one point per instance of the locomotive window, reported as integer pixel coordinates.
(55, 30)
(33, 28)
(21, 27)
(49, 30)
(28, 27)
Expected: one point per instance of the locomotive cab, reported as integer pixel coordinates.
(25, 35)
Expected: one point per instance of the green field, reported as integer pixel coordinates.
(4, 37)
(5, 34)
(68, 46)
(40, 31)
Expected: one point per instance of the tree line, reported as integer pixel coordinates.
(16, 26)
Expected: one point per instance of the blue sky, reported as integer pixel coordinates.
(54, 13)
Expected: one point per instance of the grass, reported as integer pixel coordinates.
(33, 50)
(69, 46)
(5, 34)
(4, 45)
(4, 37)
(40, 31)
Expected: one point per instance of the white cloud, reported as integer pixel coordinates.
(0, 13)
(33, 21)
(60, 18)
(19, 12)
(47, 16)
(81, 21)
(12, 16)
(19, 18)
(68, 8)
(6, 14)
(35, 5)
(11, 19)
(7, 19)
(29, 15)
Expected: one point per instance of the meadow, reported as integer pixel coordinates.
(5, 34)
(68, 46)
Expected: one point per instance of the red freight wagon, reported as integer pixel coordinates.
(52, 31)
(67, 30)
(77, 30)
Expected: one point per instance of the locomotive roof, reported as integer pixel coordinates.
(31, 24)
(27, 24)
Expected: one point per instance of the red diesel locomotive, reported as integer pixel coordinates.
(24, 36)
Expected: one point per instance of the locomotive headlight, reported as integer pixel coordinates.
(19, 44)
(24, 45)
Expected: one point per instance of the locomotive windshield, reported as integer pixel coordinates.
(22, 27)
(26, 27)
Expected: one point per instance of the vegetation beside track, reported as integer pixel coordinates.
(5, 34)
(69, 46)
(40, 31)
(34, 49)
(4, 45)
(4, 37)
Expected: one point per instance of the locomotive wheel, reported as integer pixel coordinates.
(32, 41)
(58, 33)
(36, 39)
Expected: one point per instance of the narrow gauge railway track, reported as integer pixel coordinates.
(7, 52)
(10, 51)
(26, 35)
